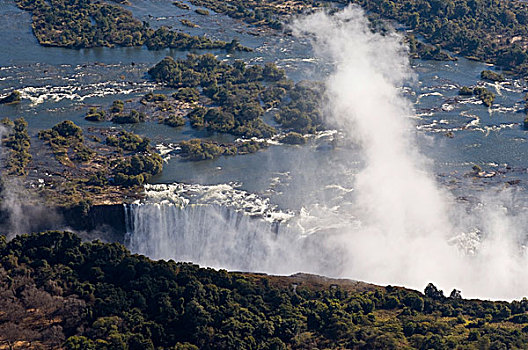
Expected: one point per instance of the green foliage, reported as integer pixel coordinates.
(492, 31)
(14, 97)
(86, 23)
(196, 116)
(7, 122)
(166, 38)
(117, 106)
(257, 12)
(68, 128)
(487, 97)
(197, 149)
(434, 293)
(97, 179)
(79, 343)
(137, 167)
(174, 121)
(247, 147)
(202, 12)
(133, 117)
(128, 141)
(239, 93)
(187, 94)
(301, 113)
(151, 97)
(95, 115)
(18, 143)
(181, 5)
(65, 137)
(127, 301)
(465, 91)
(188, 23)
(492, 76)
(424, 51)
(293, 138)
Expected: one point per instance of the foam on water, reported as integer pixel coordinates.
(40, 94)
(224, 227)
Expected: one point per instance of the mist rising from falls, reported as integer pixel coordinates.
(409, 230)
(400, 208)
(396, 226)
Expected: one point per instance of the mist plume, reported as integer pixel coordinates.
(408, 230)
(389, 221)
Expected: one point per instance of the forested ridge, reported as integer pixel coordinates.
(57, 292)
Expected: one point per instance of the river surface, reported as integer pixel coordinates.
(455, 133)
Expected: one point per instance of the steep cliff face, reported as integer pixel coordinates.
(104, 222)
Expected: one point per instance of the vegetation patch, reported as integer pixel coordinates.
(487, 97)
(202, 12)
(133, 117)
(188, 23)
(85, 24)
(174, 121)
(301, 112)
(197, 149)
(95, 114)
(490, 31)
(293, 138)
(181, 5)
(139, 163)
(492, 76)
(67, 142)
(80, 168)
(14, 97)
(424, 51)
(18, 143)
(270, 13)
(239, 94)
(63, 293)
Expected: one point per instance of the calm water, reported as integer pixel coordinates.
(59, 84)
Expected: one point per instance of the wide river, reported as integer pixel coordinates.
(454, 133)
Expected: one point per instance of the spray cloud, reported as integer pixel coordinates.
(408, 230)
(395, 226)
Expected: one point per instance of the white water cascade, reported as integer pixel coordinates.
(218, 226)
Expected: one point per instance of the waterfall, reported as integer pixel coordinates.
(220, 226)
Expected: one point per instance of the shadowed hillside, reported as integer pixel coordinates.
(57, 292)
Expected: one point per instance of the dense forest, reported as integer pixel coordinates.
(84, 24)
(57, 291)
(238, 93)
(488, 30)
